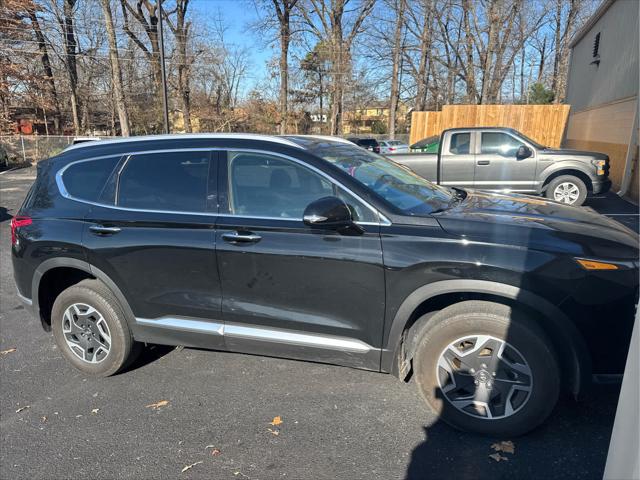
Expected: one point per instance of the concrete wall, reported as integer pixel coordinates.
(616, 76)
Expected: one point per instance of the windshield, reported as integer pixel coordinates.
(527, 139)
(397, 184)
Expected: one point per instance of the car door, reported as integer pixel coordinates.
(152, 233)
(498, 166)
(457, 160)
(288, 289)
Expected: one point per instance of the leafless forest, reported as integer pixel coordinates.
(83, 66)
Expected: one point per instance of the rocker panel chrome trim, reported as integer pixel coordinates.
(263, 334)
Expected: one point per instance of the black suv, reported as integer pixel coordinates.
(312, 248)
(370, 144)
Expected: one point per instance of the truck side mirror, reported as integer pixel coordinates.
(523, 152)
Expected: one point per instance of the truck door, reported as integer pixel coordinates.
(457, 160)
(498, 166)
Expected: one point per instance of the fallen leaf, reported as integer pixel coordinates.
(498, 458)
(43, 419)
(156, 406)
(506, 447)
(189, 467)
(4, 352)
(23, 408)
(276, 421)
(215, 452)
(240, 473)
(95, 410)
(274, 432)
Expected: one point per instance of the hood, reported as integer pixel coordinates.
(534, 222)
(574, 153)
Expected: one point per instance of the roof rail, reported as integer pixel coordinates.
(180, 136)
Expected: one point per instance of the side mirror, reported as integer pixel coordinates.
(523, 152)
(328, 212)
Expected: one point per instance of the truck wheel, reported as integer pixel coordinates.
(90, 329)
(567, 189)
(486, 368)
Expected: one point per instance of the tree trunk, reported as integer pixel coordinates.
(488, 65)
(70, 62)
(422, 82)
(116, 73)
(46, 66)
(395, 81)
(472, 95)
(284, 70)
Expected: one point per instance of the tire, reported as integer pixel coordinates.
(86, 319)
(567, 189)
(479, 327)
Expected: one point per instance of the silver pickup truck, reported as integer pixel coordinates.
(504, 160)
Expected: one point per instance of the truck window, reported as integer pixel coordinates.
(496, 143)
(460, 143)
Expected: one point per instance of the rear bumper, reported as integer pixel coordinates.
(601, 186)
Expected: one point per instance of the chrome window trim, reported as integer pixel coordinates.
(383, 220)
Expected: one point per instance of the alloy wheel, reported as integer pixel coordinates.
(86, 333)
(484, 377)
(566, 192)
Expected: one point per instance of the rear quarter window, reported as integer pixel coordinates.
(85, 180)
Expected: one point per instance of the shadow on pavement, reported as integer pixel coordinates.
(150, 353)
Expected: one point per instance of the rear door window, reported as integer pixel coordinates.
(460, 143)
(85, 180)
(167, 181)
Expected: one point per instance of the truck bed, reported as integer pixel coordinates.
(424, 164)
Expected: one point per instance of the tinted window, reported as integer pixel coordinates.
(263, 185)
(266, 186)
(175, 181)
(368, 142)
(460, 143)
(395, 183)
(85, 180)
(499, 144)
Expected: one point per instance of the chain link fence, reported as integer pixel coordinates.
(16, 150)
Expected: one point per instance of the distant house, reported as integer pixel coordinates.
(362, 120)
(602, 90)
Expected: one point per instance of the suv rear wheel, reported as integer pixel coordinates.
(90, 329)
(487, 368)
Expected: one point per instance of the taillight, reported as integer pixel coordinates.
(391, 149)
(16, 223)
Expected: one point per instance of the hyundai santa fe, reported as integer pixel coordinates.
(312, 248)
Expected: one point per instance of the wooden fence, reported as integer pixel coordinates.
(543, 123)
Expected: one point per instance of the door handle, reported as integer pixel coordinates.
(484, 162)
(102, 230)
(237, 237)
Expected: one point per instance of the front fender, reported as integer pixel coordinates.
(568, 342)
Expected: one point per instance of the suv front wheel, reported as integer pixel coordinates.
(90, 329)
(487, 368)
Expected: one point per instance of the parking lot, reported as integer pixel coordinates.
(188, 413)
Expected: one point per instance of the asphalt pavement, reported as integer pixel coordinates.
(188, 413)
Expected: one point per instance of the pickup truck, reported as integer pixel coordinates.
(505, 160)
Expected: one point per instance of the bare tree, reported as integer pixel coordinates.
(565, 19)
(46, 65)
(116, 72)
(326, 19)
(181, 30)
(399, 8)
